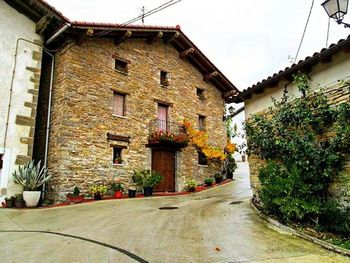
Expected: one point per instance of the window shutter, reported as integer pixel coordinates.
(118, 104)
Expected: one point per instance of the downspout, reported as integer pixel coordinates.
(57, 33)
(48, 114)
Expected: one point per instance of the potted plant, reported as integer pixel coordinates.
(97, 191)
(218, 178)
(19, 202)
(75, 197)
(208, 181)
(147, 179)
(118, 188)
(190, 185)
(10, 202)
(132, 192)
(31, 177)
(118, 160)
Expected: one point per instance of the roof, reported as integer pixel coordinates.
(38, 9)
(304, 65)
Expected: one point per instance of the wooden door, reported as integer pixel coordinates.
(164, 163)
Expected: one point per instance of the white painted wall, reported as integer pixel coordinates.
(322, 75)
(14, 25)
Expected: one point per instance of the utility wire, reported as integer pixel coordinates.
(142, 16)
(329, 24)
(307, 23)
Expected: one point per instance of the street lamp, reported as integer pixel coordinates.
(336, 9)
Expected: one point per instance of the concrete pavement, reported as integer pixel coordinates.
(217, 225)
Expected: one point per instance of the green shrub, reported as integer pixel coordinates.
(302, 156)
(333, 219)
(146, 178)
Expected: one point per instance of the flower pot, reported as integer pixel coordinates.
(10, 203)
(218, 180)
(75, 199)
(31, 198)
(148, 191)
(19, 203)
(192, 189)
(118, 194)
(131, 193)
(97, 196)
(209, 184)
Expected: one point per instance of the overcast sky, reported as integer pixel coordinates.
(248, 40)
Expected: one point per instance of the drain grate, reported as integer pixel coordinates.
(236, 202)
(168, 208)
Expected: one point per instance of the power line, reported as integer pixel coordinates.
(142, 16)
(307, 23)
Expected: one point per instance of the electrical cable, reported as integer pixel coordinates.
(302, 38)
(148, 13)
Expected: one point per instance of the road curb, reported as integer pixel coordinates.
(294, 232)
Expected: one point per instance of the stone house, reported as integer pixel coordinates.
(116, 85)
(324, 69)
(21, 46)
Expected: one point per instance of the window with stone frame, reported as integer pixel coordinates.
(200, 94)
(118, 104)
(164, 78)
(121, 66)
(202, 159)
(201, 122)
(117, 155)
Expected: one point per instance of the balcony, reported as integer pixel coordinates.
(166, 134)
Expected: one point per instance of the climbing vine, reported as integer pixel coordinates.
(200, 140)
(303, 142)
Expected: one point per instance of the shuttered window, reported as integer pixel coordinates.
(118, 104)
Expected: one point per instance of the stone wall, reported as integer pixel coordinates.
(85, 79)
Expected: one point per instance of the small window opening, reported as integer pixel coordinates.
(201, 122)
(164, 78)
(202, 159)
(117, 155)
(121, 66)
(200, 94)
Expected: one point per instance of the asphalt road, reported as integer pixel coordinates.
(217, 225)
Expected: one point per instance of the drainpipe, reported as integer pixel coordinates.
(57, 33)
(48, 114)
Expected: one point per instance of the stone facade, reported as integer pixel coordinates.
(85, 78)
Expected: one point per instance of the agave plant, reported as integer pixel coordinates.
(31, 176)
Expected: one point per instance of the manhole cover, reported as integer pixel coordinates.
(236, 202)
(168, 208)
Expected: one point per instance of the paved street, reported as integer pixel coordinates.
(217, 225)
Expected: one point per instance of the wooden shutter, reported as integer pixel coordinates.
(118, 104)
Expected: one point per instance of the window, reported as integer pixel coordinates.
(117, 155)
(201, 122)
(121, 66)
(118, 104)
(164, 78)
(202, 159)
(200, 94)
